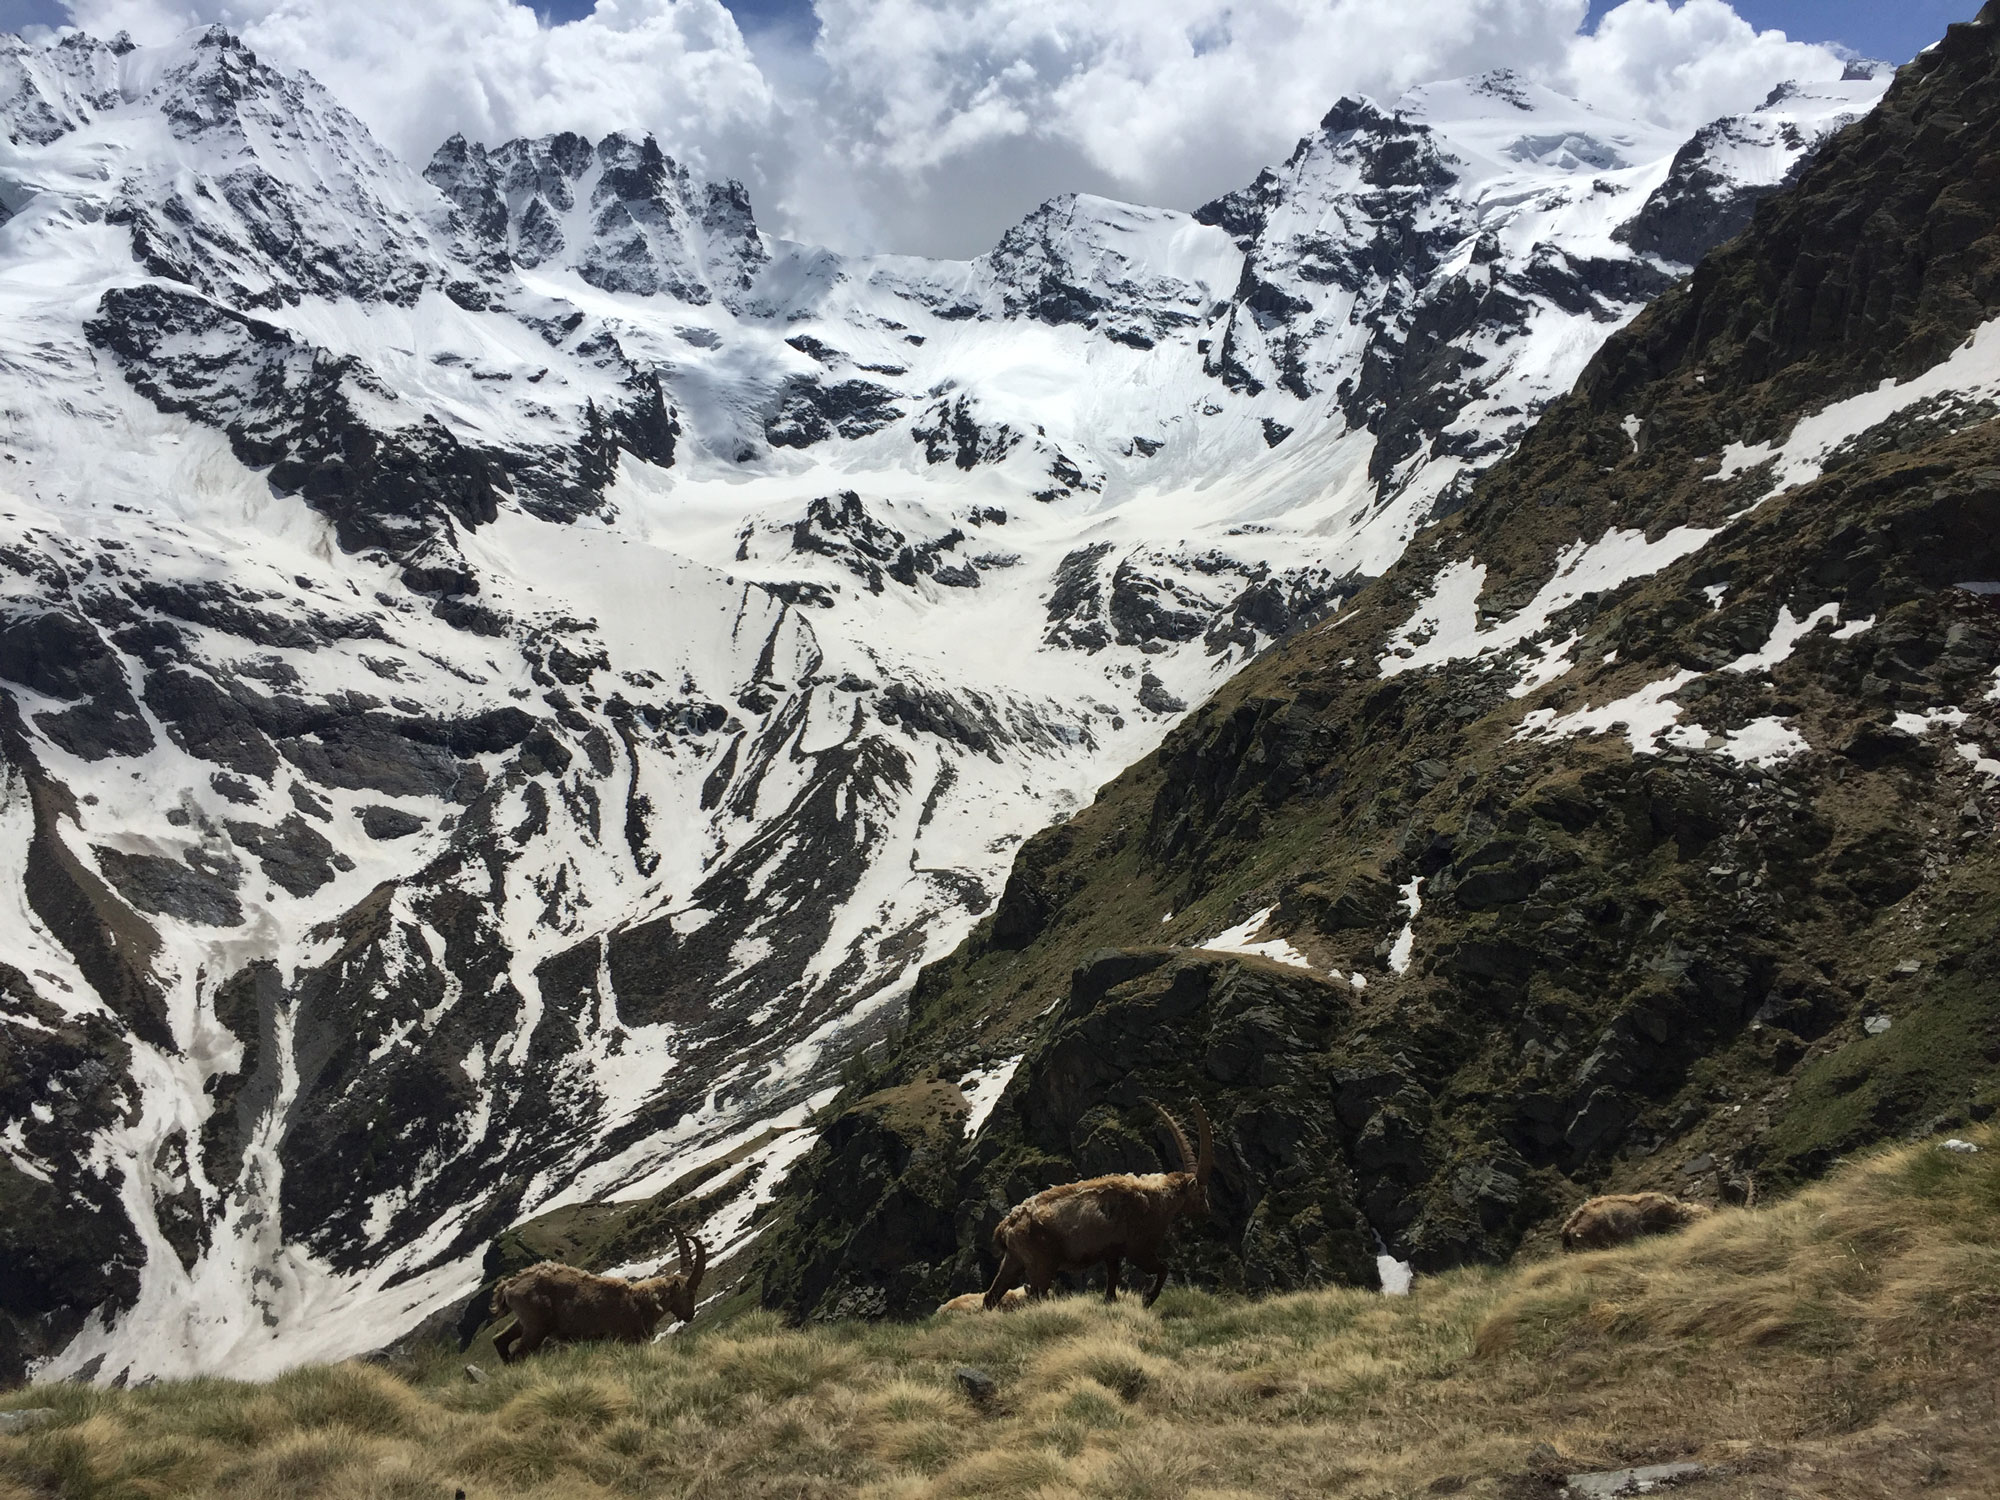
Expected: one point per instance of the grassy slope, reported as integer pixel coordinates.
(1843, 1343)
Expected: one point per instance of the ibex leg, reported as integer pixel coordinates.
(1159, 1269)
(1008, 1274)
(531, 1340)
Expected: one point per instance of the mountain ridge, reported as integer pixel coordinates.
(1632, 830)
(539, 716)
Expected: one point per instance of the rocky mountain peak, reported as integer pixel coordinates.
(1080, 259)
(49, 91)
(1507, 87)
(275, 192)
(1351, 113)
(646, 225)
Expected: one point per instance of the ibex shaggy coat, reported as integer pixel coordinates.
(1620, 1218)
(1105, 1221)
(552, 1300)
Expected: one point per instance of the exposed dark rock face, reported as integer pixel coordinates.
(112, 946)
(653, 231)
(810, 412)
(876, 552)
(1396, 159)
(67, 1246)
(247, 1003)
(1039, 277)
(1153, 695)
(1158, 598)
(1559, 961)
(293, 855)
(289, 406)
(1077, 601)
(891, 1219)
(157, 885)
(389, 823)
(899, 1151)
(62, 656)
(1142, 610)
(1701, 204)
(949, 432)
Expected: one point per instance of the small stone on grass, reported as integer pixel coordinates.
(976, 1384)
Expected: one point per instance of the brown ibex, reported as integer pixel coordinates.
(1106, 1220)
(552, 1300)
(1620, 1218)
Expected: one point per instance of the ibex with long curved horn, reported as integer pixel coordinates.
(552, 1300)
(1104, 1221)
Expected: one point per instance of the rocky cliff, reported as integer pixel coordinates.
(1635, 829)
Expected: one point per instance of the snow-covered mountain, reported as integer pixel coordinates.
(508, 669)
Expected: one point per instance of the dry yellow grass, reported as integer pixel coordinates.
(1844, 1343)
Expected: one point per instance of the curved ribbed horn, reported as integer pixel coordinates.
(686, 1267)
(700, 1263)
(1204, 1164)
(1180, 1136)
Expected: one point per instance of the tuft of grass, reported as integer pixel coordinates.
(778, 1365)
(1898, 1244)
(569, 1405)
(1111, 1362)
(359, 1397)
(1840, 1343)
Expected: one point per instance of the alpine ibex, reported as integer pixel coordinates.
(1107, 1220)
(552, 1300)
(1620, 1218)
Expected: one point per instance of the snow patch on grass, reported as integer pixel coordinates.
(1238, 940)
(1397, 1275)
(1445, 627)
(982, 1089)
(1972, 372)
(1651, 718)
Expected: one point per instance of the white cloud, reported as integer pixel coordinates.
(1688, 65)
(1169, 101)
(929, 125)
(417, 70)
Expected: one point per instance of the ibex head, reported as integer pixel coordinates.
(1195, 1167)
(676, 1294)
